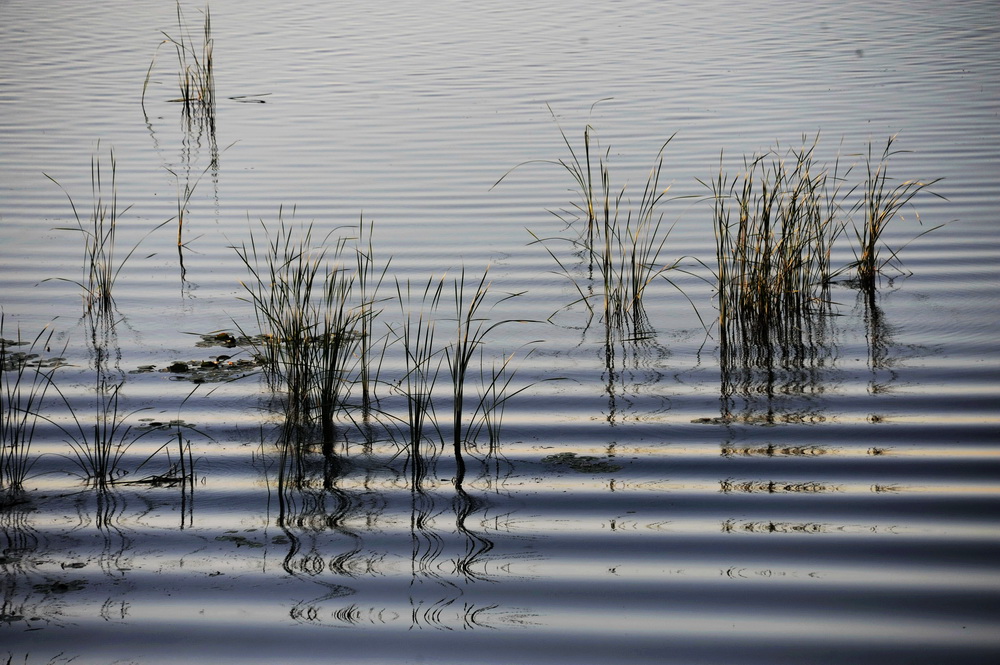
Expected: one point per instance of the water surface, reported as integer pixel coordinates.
(661, 502)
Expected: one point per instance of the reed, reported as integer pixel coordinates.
(310, 321)
(99, 445)
(495, 390)
(470, 334)
(24, 381)
(623, 246)
(881, 203)
(369, 282)
(422, 359)
(775, 225)
(196, 72)
(99, 231)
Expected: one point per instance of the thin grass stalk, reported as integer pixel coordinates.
(369, 283)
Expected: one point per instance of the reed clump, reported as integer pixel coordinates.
(775, 225)
(24, 381)
(622, 246)
(314, 309)
(881, 203)
(195, 72)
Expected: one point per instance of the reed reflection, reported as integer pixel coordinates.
(18, 556)
(632, 359)
(775, 370)
(879, 335)
(342, 513)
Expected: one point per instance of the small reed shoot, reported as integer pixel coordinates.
(99, 231)
(24, 381)
(624, 247)
(99, 446)
(881, 203)
(495, 390)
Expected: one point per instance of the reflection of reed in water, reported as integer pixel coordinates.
(632, 361)
(17, 563)
(729, 486)
(880, 343)
(331, 510)
(773, 372)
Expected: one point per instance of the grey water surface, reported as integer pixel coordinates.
(651, 499)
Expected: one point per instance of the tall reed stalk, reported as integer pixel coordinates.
(881, 203)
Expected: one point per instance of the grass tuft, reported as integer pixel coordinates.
(882, 202)
(24, 381)
(195, 75)
(623, 247)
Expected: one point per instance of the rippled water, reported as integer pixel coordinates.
(651, 500)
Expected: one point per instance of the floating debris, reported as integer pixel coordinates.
(583, 463)
(152, 423)
(240, 541)
(60, 586)
(19, 360)
(213, 370)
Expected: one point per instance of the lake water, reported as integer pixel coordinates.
(651, 499)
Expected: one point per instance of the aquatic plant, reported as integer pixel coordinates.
(195, 75)
(99, 446)
(369, 281)
(775, 225)
(422, 360)
(625, 246)
(24, 381)
(471, 332)
(102, 266)
(310, 320)
(495, 390)
(880, 204)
